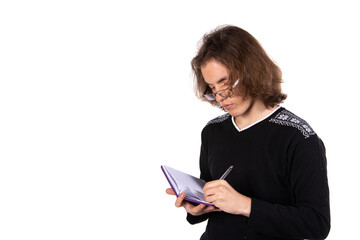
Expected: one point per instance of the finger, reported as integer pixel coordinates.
(211, 198)
(199, 208)
(214, 183)
(170, 191)
(194, 210)
(210, 191)
(179, 200)
(211, 209)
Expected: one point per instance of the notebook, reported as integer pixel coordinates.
(183, 182)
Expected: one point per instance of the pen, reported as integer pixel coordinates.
(226, 173)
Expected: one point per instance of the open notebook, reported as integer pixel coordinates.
(183, 182)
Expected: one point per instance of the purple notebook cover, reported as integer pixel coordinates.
(187, 199)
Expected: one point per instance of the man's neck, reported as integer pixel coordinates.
(256, 112)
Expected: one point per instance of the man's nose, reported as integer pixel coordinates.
(220, 98)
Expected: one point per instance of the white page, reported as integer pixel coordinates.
(192, 186)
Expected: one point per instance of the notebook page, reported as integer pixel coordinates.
(186, 182)
(172, 181)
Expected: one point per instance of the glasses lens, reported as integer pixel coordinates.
(225, 93)
(209, 96)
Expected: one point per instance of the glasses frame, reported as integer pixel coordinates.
(212, 96)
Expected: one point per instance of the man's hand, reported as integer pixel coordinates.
(225, 197)
(193, 210)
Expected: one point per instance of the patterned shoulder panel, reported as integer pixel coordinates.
(287, 118)
(219, 119)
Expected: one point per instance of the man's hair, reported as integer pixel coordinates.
(259, 77)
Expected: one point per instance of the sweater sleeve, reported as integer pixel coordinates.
(205, 175)
(309, 216)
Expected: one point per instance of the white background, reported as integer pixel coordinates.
(96, 95)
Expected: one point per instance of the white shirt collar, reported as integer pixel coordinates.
(237, 128)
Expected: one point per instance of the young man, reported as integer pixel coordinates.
(278, 187)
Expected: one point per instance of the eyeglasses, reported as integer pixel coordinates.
(225, 93)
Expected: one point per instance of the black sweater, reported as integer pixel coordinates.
(280, 163)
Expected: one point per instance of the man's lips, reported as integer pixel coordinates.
(226, 106)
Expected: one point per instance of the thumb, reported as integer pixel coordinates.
(170, 191)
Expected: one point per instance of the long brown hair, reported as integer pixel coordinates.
(246, 60)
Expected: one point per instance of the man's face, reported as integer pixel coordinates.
(216, 75)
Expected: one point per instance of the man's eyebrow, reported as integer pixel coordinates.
(222, 79)
(218, 81)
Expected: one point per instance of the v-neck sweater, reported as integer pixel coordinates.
(280, 163)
